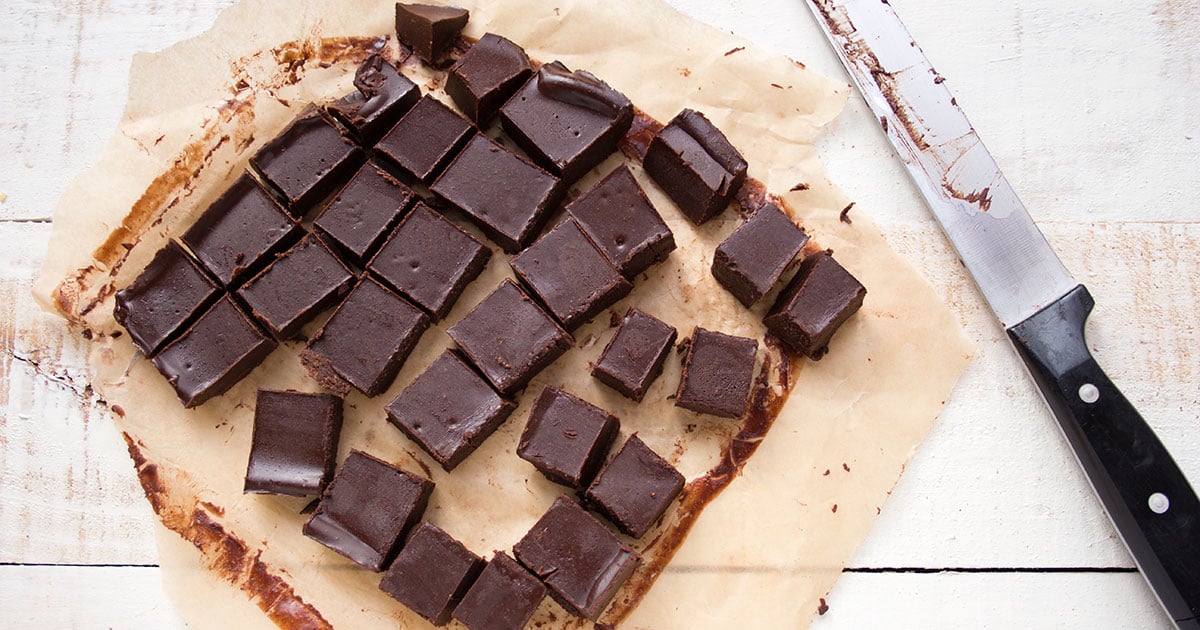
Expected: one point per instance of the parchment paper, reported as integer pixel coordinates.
(760, 555)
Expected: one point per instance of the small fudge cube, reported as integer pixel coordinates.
(483, 78)
(431, 573)
(294, 448)
(363, 213)
(307, 162)
(566, 437)
(425, 139)
(169, 293)
(634, 356)
(449, 410)
(693, 162)
(301, 284)
(503, 597)
(430, 31)
(621, 221)
(718, 371)
(821, 297)
(635, 488)
(758, 254)
(367, 509)
(380, 98)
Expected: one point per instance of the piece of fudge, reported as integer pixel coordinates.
(820, 298)
(486, 76)
(567, 438)
(294, 446)
(635, 488)
(429, 30)
(758, 254)
(634, 356)
(425, 139)
(307, 162)
(621, 221)
(694, 163)
(718, 371)
(302, 283)
(381, 96)
(169, 293)
(431, 573)
(363, 213)
(503, 597)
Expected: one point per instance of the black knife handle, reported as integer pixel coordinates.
(1146, 495)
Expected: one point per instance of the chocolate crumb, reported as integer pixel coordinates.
(733, 50)
(822, 608)
(116, 334)
(835, 508)
(800, 186)
(877, 511)
(120, 411)
(845, 467)
(844, 217)
(613, 320)
(87, 334)
(826, 473)
(776, 85)
(883, 123)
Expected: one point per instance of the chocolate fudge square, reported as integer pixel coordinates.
(302, 283)
(580, 560)
(507, 197)
(212, 355)
(367, 509)
(358, 219)
(503, 597)
(307, 162)
(365, 342)
(621, 221)
(168, 294)
(431, 573)
(449, 410)
(693, 162)
(294, 448)
(568, 122)
(567, 438)
(634, 356)
(430, 260)
(380, 98)
(486, 76)
(509, 338)
(718, 371)
(635, 488)
(570, 275)
(430, 31)
(758, 254)
(425, 139)
(820, 298)
(239, 230)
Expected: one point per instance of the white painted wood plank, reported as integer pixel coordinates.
(85, 597)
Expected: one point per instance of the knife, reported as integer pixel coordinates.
(1036, 299)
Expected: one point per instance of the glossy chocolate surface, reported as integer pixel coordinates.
(634, 357)
(718, 371)
(567, 438)
(294, 448)
(821, 297)
(431, 573)
(363, 213)
(425, 139)
(486, 76)
(503, 597)
(429, 30)
(307, 162)
(758, 254)
(381, 96)
(168, 294)
(635, 488)
(694, 163)
(303, 282)
(621, 221)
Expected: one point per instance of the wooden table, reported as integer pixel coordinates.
(1089, 107)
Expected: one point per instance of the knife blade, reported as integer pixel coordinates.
(1037, 301)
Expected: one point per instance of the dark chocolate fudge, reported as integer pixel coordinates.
(581, 561)
(358, 219)
(635, 488)
(240, 229)
(216, 352)
(380, 98)
(510, 338)
(503, 194)
(307, 162)
(483, 78)
(449, 410)
(430, 260)
(718, 371)
(425, 139)
(294, 448)
(365, 342)
(623, 223)
(634, 356)
(568, 122)
(758, 254)
(431, 573)
(567, 438)
(503, 597)
(821, 297)
(430, 31)
(570, 275)
(168, 294)
(367, 509)
(693, 162)
(302, 283)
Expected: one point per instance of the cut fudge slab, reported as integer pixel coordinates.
(568, 122)
(503, 597)
(718, 371)
(509, 338)
(365, 342)
(567, 438)
(425, 138)
(507, 197)
(821, 297)
(168, 294)
(211, 356)
(431, 573)
(307, 162)
(581, 561)
(380, 98)
(635, 488)
(294, 448)
(367, 509)
(358, 219)
(634, 356)
(430, 260)
(239, 231)
(483, 78)
(758, 254)
(693, 162)
(570, 275)
(430, 31)
(449, 410)
(302, 283)
(621, 221)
